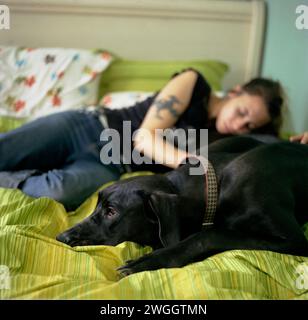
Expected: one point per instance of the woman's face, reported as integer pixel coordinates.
(241, 114)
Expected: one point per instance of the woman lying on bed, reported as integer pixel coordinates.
(58, 156)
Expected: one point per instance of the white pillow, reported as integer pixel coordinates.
(40, 81)
(118, 100)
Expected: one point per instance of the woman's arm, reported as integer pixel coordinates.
(169, 104)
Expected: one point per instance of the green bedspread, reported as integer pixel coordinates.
(42, 268)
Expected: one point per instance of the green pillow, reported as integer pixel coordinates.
(131, 75)
(10, 123)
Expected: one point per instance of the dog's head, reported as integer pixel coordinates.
(140, 210)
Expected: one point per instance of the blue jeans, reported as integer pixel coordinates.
(56, 156)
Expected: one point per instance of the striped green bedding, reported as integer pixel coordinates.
(41, 268)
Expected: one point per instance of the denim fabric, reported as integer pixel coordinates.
(57, 156)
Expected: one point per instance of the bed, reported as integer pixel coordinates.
(222, 37)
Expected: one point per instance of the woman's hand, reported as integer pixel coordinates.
(302, 138)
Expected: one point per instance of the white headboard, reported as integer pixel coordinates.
(231, 31)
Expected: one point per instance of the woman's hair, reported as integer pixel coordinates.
(273, 96)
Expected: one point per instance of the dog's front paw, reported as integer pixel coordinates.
(144, 263)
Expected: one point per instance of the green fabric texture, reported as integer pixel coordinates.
(151, 76)
(10, 123)
(42, 268)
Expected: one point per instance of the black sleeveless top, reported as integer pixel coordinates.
(195, 116)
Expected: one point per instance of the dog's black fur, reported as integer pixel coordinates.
(262, 204)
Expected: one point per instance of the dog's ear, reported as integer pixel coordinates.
(166, 207)
(149, 213)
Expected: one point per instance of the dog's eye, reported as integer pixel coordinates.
(110, 212)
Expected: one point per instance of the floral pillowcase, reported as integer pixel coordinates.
(39, 81)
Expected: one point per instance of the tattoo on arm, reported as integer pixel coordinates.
(167, 104)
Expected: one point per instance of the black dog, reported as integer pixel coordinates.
(262, 204)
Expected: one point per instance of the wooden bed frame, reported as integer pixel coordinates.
(230, 31)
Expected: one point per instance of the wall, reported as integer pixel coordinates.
(286, 58)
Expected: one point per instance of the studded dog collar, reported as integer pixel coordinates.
(211, 192)
(211, 195)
